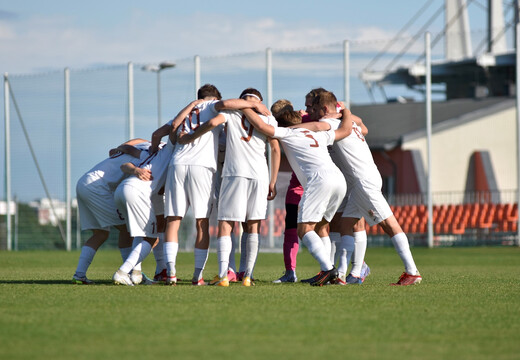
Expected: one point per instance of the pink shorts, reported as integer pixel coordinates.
(294, 191)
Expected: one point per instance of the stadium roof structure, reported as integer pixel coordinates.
(390, 124)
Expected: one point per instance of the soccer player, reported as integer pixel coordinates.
(97, 209)
(366, 199)
(190, 182)
(309, 158)
(140, 201)
(246, 183)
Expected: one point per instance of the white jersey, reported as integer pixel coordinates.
(202, 151)
(306, 151)
(352, 155)
(107, 174)
(245, 147)
(157, 163)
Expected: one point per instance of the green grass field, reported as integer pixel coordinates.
(468, 307)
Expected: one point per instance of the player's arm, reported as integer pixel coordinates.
(157, 136)
(240, 104)
(128, 148)
(345, 128)
(181, 116)
(185, 138)
(276, 156)
(313, 126)
(359, 122)
(258, 123)
(131, 169)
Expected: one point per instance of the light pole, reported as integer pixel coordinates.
(157, 69)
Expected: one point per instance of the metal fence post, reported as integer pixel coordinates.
(7, 164)
(197, 74)
(346, 73)
(428, 102)
(269, 74)
(130, 101)
(68, 200)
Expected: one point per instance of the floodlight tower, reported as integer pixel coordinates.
(157, 68)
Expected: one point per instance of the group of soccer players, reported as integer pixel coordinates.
(145, 188)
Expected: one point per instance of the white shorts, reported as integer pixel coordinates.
(367, 202)
(322, 197)
(242, 199)
(140, 207)
(189, 186)
(97, 209)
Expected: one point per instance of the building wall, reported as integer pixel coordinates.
(452, 149)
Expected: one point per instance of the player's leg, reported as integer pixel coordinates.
(400, 240)
(359, 268)
(252, 246)
(223, 251)
(335, 238)
(138, 254)
(243, 251)
(291, 244)
(201, 250)
(171, 247)
(88, 251)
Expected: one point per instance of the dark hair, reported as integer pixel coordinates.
(208, 90)
(252, 91)
(315, 92)
(326, 98)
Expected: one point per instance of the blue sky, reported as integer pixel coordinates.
(40, 35)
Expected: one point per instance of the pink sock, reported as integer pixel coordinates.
(290, 248)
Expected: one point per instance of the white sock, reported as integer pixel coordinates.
(125, 252)
(171, 249)
(243, 252)
(315, 246)
(347, 248)
(85, 259)
(223, 250)
(402, 247)
(135, 242)
(335, 246)
(360, 248)
(252, 253)
(201, 256)
(158, 253)
(232, 261)
(328, 247)
(138, 254)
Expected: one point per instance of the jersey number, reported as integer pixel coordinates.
(358, 133)
(311, 137)
(249, 129)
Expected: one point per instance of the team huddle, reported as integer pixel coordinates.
(214, 159)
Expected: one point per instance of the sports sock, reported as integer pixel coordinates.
(201, 256)
(232, 262)
(252, 253)
(335, 246)
(138, 254)
(136, 241)
(223, 250)
(125, 252)
(327, 245)
(402, 247)
(290, 248)
(243, 252)
(360, 248)
(315, 246)
(170, 253)
(347, 247)
(85, 259)
(158, 253)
